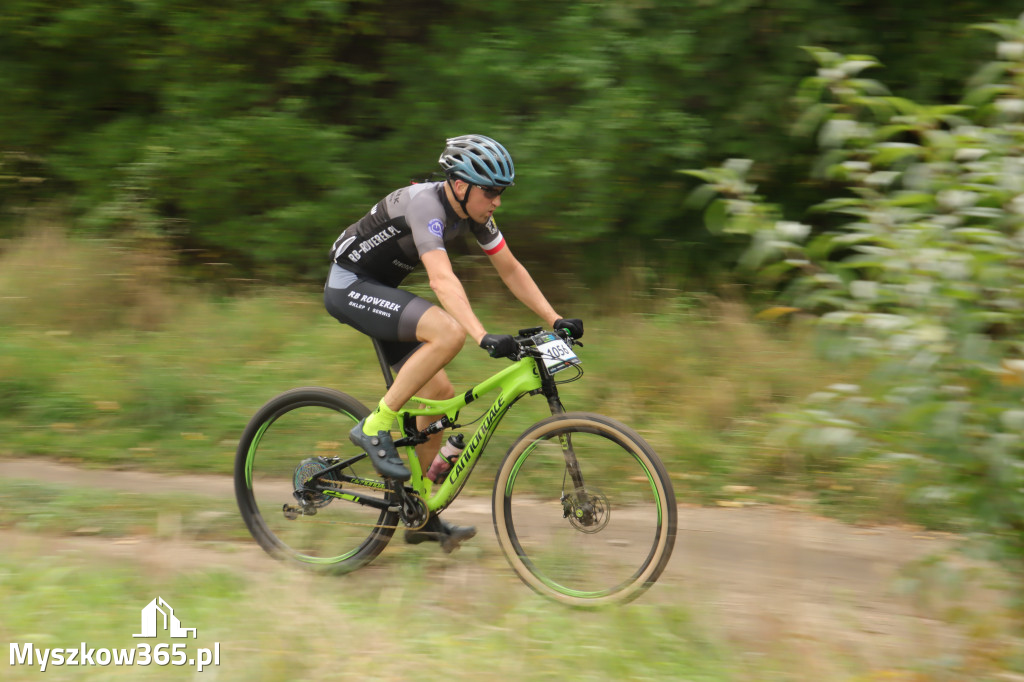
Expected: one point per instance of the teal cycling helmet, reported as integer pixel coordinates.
(478, 160)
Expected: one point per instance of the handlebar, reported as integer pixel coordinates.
(524, 337)
(527, 346)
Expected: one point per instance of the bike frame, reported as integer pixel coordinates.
(523, 377)
(527, 375)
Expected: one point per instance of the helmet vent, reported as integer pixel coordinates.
(479, 160)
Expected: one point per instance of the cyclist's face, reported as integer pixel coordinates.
(483, 201)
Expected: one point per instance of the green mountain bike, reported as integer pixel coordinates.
(583, 508)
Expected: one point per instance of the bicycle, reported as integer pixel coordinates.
(305, 496)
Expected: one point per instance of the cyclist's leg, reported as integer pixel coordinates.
(391, 315)
(423, 374)
(419, 338)
(442, 338)
(438, 388)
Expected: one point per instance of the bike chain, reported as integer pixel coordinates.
(340, 484)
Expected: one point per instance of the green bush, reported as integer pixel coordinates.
(922, 274)
(266, 191)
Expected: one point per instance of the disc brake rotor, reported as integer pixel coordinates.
(588, 511)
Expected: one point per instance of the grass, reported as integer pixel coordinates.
(83, 379)
(36, 507)
(110, 361)
(413, 614)
(106, 360)
(278, 625)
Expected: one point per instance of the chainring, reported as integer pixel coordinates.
(414, 511)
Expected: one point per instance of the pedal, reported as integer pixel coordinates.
(292, 511)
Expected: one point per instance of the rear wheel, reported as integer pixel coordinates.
(584, 510)
(293, 438)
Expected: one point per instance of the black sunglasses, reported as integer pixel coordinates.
(491, 192)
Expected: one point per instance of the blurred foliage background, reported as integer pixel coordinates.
(249, 134)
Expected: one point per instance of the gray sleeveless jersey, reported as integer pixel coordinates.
(388, 242)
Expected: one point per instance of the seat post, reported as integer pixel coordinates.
(385, 366)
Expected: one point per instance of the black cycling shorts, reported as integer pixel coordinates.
(377, 310)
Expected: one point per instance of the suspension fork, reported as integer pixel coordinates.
(572, 465)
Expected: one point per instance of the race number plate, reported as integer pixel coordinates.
(556, 353)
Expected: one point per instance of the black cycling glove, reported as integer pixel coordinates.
(573, 326)
(500, 345)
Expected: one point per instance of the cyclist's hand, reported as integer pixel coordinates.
(500, 345)
(573, 325)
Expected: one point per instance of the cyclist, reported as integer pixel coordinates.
(371, 258)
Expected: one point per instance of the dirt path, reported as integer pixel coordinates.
(755, 575)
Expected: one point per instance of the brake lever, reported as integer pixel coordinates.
(524, 351)
(568, 338)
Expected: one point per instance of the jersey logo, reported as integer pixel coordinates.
(436, 227)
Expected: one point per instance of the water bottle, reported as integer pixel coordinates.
(444, 460)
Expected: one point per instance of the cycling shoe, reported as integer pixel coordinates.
(382, 452)
(437, 530)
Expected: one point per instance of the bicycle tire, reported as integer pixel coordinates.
(279, 446)
(560, 552)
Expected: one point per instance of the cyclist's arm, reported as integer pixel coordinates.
(451, 293)
(521, 284)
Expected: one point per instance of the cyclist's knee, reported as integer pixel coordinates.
(440, 328)
(456, 339)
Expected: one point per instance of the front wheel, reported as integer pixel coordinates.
(584, 510)
(292, 508)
